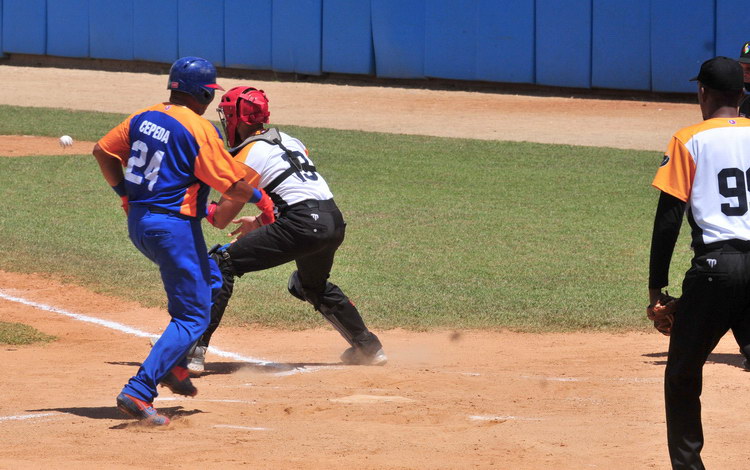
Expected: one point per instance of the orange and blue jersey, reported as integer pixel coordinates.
(172, 158)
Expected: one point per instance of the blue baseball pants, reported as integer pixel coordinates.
(176, 244)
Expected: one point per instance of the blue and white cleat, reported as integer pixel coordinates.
(141, 410)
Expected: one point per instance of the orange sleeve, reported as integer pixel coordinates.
(677, 171)
(215, 166)
(242, 154)
(251, 176)
(117, 141)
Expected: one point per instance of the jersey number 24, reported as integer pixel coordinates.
(136, 162)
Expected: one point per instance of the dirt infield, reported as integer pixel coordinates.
(446, 400)
(25, 145)
(481, 115)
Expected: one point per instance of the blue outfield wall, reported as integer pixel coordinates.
(247, 34)
(68, 28)
(732, 26)
(680, 43)
(296, 36)
(398, 34)
(110, 29)
(200, 30)
(448, 24)
(621, 50)
(155, 30)
(480, 40)
(505, 41)
(563, 43)
(347, 37)
(649, 45)
(25, 26)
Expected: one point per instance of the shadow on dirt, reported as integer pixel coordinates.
(735, 360)
(262, 368)
(111, 412)
(222, 368)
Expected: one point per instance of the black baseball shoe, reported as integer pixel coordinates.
(356, 357)
(178, 381)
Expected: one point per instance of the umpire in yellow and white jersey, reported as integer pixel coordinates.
(705, 171)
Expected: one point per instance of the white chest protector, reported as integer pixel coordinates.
(286, 172)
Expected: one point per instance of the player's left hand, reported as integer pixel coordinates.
(662, 311)
(246, 225)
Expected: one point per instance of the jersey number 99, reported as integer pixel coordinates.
(738, 191)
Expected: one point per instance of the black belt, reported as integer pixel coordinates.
(327, 205)
(160, 210)
(743, 246)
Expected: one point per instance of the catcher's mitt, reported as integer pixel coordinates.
(662, 313)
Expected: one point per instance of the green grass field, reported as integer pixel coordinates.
(442, 233)
(18, 334)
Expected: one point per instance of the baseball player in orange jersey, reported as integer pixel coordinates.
(309, 229)
(172, 157)
(705, 170)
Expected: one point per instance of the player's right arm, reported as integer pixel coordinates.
(667, 223)
(111, 153)
(674, 179)
(110, 166)
(226, 209)
(216, 167)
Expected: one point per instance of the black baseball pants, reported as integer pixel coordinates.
(715, 299)
(308, 233)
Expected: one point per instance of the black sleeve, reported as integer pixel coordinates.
(667, 224)
(745, 107)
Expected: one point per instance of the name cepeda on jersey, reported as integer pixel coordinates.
(159, 133)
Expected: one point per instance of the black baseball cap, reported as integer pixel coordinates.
(721, 74)
(745, 53)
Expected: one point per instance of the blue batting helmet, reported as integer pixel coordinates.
(194, 76)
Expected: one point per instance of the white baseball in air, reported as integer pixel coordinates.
(66, 141)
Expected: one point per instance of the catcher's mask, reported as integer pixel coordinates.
(194, 76)
(242, 103)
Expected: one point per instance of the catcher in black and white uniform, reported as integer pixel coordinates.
(705, 170)
(308, 227)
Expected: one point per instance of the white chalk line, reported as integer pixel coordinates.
(368, 399)
(502, 418)
(244, 428)
(648, 380)
(284, 369)
(553, 379)
(25, 417)
(78, 316)
(247, 402)
(588, 379)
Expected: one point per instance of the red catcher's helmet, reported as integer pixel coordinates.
(242, 103)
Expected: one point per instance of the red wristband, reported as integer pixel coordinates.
(210, 212)
(266, 207)
(125, 206)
